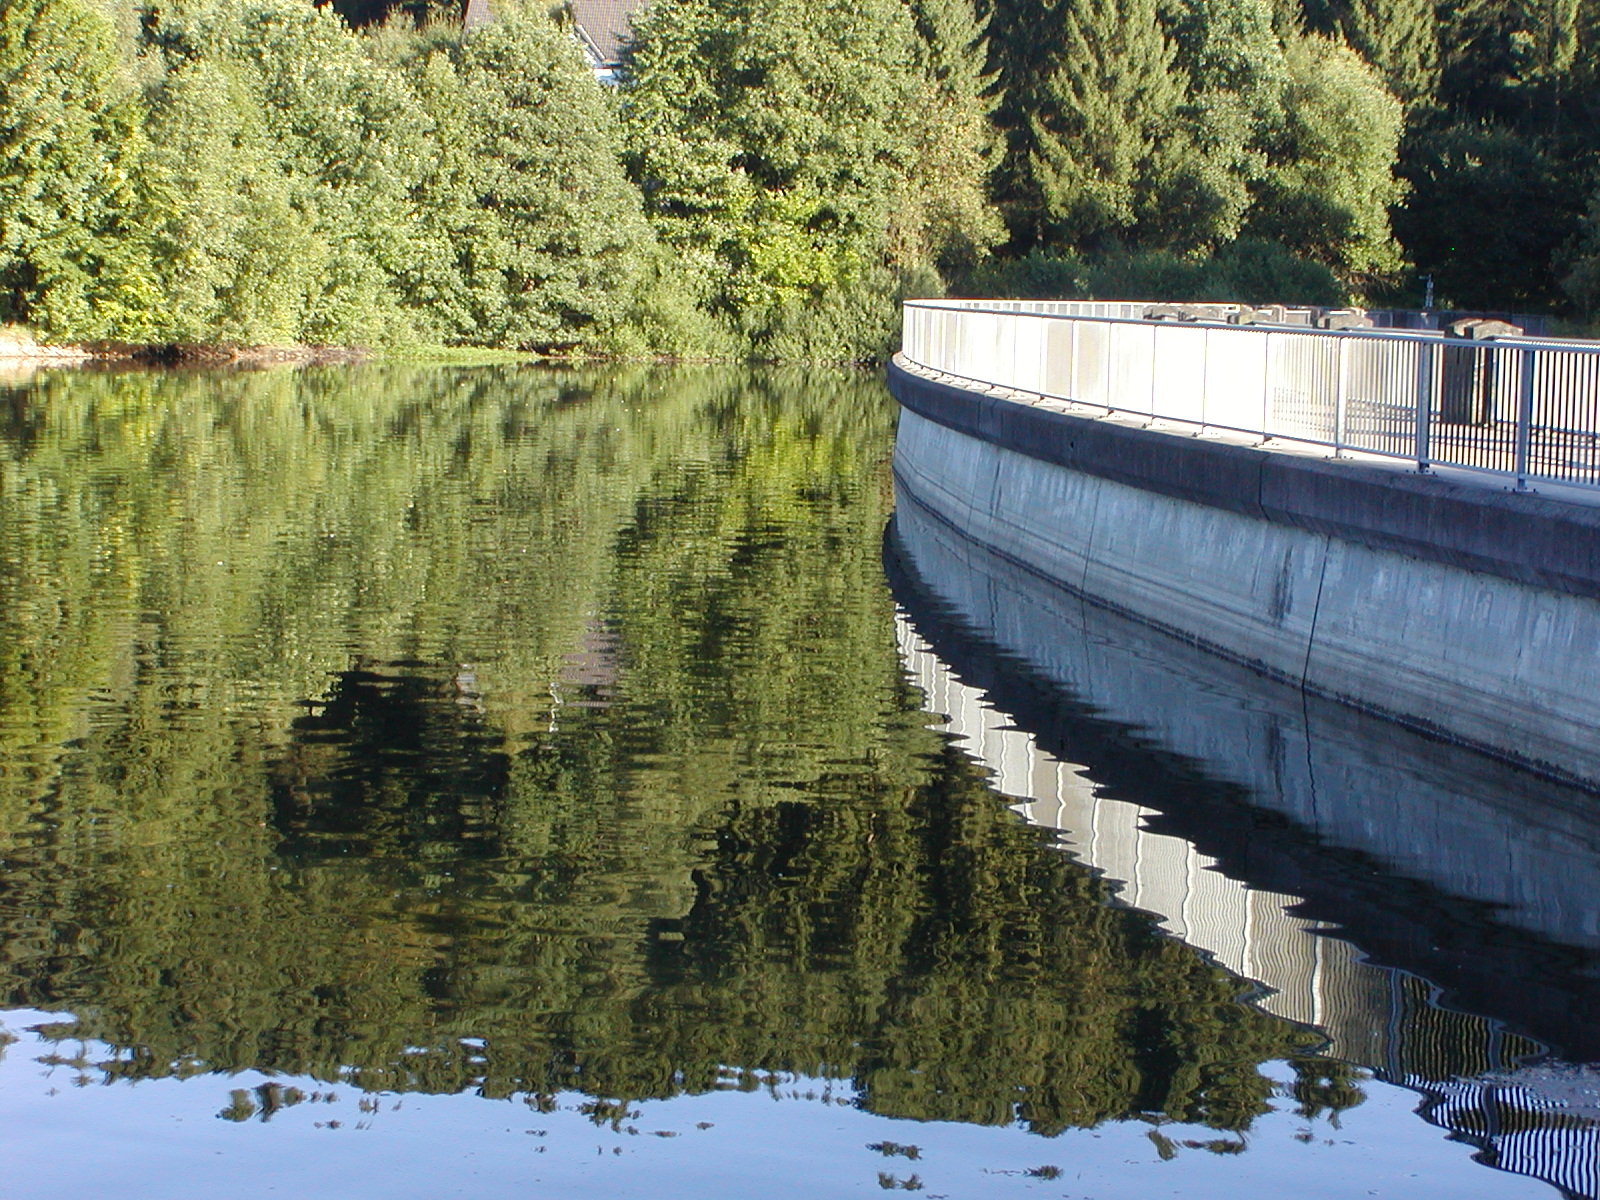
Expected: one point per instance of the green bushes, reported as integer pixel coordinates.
(1248, 271)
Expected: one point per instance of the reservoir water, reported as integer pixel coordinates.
(424, 782)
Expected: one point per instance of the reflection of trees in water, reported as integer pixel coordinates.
(735, 844)
(393, 763)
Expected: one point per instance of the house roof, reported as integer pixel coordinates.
(604, 26)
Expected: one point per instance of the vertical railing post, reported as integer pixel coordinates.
(1266, 384)
(1425, 387)
(1044, 324)
(1155, 374)
(1524, 416)
(1072, 361)
(1342, 383)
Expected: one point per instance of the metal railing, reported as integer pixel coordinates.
(1522, 407)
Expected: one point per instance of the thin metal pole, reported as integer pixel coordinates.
(1073, 390)
(1524, 417)
(1425, 381)
(1339, 399)
(1155, 349)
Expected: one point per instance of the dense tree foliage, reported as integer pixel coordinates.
(1501, 144)
(1137, 126)
(72, 260)
(1329, 185)
(768, 176)
(801, 159)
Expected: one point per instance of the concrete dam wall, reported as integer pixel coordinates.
(1453, 607)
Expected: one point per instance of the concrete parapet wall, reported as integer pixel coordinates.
(1466, 612)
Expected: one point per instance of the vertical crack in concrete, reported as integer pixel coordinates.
(1305, 699)
(1088, 542)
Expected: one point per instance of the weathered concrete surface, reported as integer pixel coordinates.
(1291, 568)
(1384, 831)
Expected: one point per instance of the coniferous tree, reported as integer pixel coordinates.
(1581, 280)
(1509, 60)
(1025, 42)
(1401, 39)
(1112, 99)
(943, 221)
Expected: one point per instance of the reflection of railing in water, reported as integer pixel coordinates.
(1529, 1121)
(1518, 1129)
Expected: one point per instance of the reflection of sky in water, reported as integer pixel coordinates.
(801, 1137)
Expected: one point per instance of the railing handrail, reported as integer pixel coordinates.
(1518, 407)
(1546, 342)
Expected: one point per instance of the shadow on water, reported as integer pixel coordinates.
(1384, 887)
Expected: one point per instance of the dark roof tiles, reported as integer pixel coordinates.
(605, 26)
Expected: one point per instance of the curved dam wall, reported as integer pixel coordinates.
(1412, 845)
(1454, 608)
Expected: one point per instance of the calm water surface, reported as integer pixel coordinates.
(507, 782)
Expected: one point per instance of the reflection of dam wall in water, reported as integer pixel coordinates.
(1368, 1012)
(1377, 1017)
(1226, 727)
(1465, 823)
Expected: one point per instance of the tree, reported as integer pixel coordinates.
(942, 221)
(1489, 209)
(1025, 42)
(235, 257)
(1510, 60)
(770, 141)
(533, 235)
(1401, 39)
(1112, 102)
(1232, 61)
(1330, 180)
(72, 261)
(1129, 124)
(351, 138)
(319, 145)
(1581, 279)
